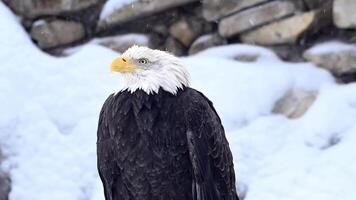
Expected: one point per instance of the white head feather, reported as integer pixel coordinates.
(163, 71)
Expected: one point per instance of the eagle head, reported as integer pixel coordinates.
(149, 70)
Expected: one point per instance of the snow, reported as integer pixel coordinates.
(331, 47)
(131, 37)
(112, 5)
(294, 159)
(50, 106)
(202, 39)
(39, 22)
(231, 51)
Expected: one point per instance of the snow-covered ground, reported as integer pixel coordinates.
(49, 111)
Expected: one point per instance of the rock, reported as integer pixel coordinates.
(136, 10)
(283, 31)
(49, 34)
(5, 182)
(347, 78)
(5, 186)
(174, 46)
(336, 57)
(344, 14)
(216, 9)
(255, 17)
(206, 41)
(121, 43)
(160, 29)
(246, 57)
(185, 32)
(35, 8)
(288, 52)
(157, 41)
(295, 103)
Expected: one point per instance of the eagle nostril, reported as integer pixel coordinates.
(123, 59)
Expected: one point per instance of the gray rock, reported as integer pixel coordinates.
(295, 103)
(344, 14)
(36, 8)
(121, 43)
(257, 16)
(50, 34)
(342, 61)
(283, 31)
(246, 57)
(161, 29)
(5, 182)
(185, 32)
(288, 52)
(206, 41)
(216, 9)
(136, 10)
(174, 46)
(5, 186)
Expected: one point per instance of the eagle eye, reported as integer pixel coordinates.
(143, 60)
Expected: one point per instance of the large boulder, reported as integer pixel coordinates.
(338, 58)
(344, 13)
(206, 41)
(295, 103)
(50, 34)
(254, 17)
(35, 8)
(126, 12)
(216, 9)
(285, 31)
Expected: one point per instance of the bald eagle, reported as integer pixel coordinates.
(159, 139)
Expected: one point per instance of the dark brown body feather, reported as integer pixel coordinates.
(163, 147)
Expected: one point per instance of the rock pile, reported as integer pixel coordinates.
(175, 25)
(186, 26)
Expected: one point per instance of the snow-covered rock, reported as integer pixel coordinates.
(206, 41)
(112, 5)
(295, 103)
(117, 12)
(50, 34)
(121, 43)
(337, 57)
(37, 8)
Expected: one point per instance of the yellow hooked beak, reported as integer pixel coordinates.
(121, 64)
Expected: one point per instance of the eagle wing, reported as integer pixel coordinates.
(209, 151)
(108, 168)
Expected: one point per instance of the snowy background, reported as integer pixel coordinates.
(49, 110)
